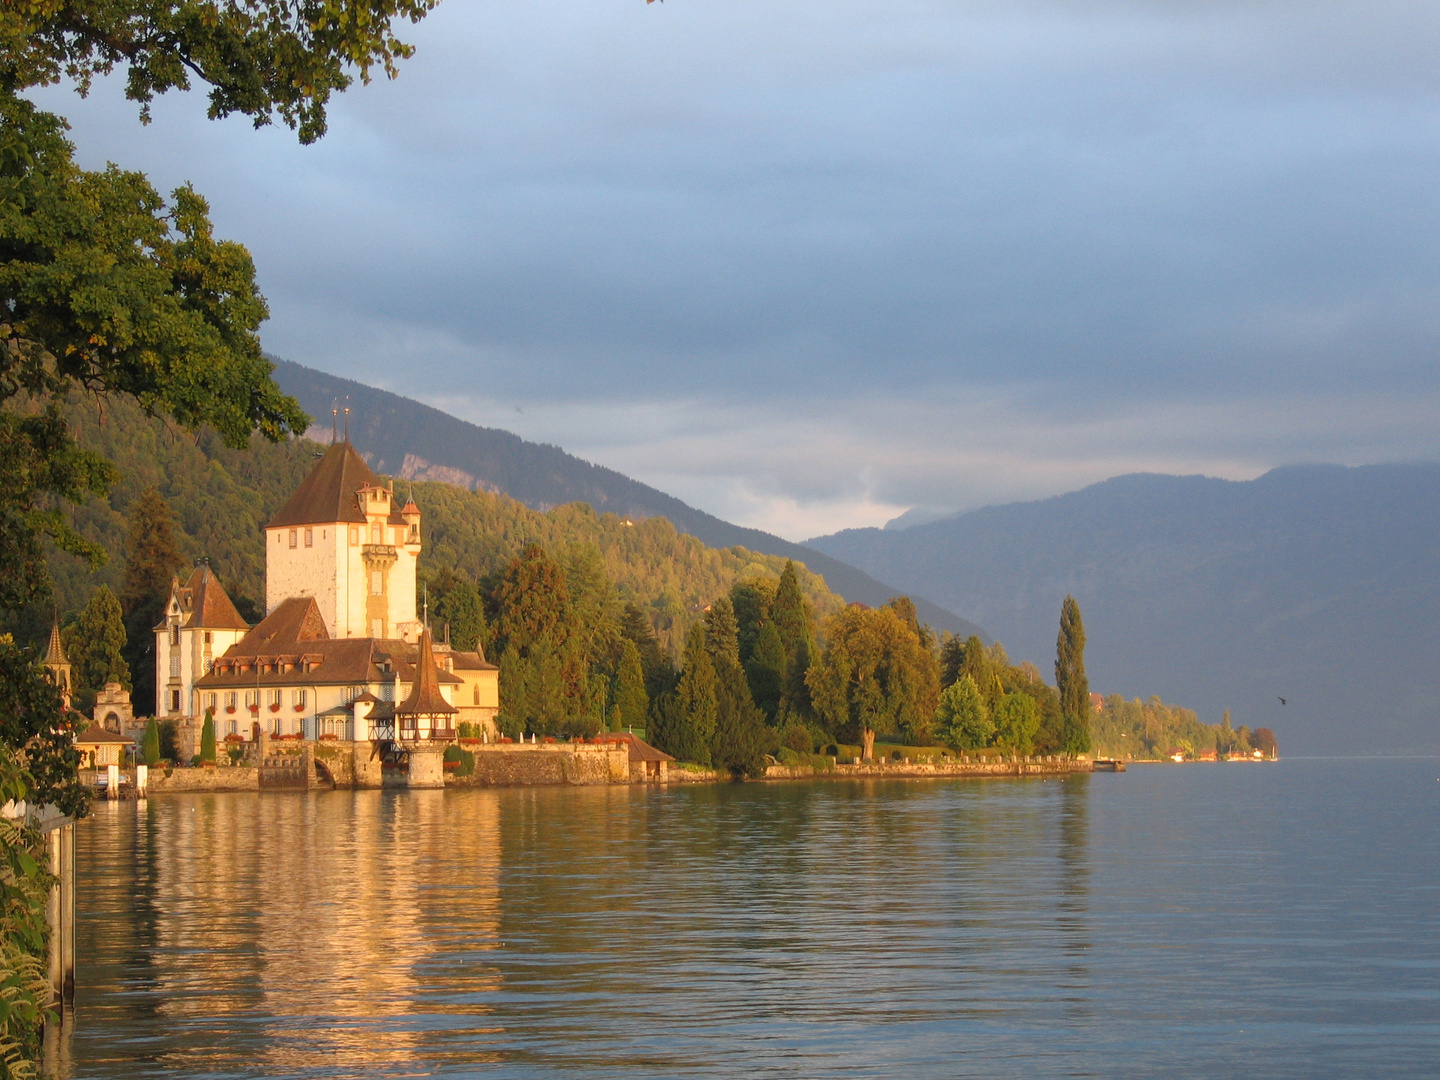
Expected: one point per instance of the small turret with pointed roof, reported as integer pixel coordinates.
(58, 664)
(425, 700)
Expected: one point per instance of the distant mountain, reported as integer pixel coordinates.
(414, 441)
(1319, 584)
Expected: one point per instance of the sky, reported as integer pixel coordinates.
(808, 265)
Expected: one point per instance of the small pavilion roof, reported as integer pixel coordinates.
(95, 735)
(425, 698)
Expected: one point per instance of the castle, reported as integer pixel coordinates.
(341, 652)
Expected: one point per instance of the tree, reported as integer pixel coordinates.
(1070, 679)
(464, 609)
(95, 644)
(632, 703)
(875, 675)
(149, 569)
(689, 732)
(1263, 739)
(791, 616)
(36, 734)
(1016, 722)
(963, 718)
(751, 600)
(533, 600)
(150, 747)
(739, 726)
(261, 60)
(765, 671)
(207, 737)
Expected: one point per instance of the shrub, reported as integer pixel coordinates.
(797, 737)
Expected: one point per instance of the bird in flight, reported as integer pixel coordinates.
(1282, 700)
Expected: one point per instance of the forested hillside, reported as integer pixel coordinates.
(222, 498)
(1316, 584)
(408, 439)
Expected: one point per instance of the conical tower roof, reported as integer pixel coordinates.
(425, 698)
(328, 493)
(55, 652)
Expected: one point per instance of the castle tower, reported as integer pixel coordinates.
(342, 540)
(58, 665)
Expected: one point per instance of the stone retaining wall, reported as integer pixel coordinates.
(1032, 766)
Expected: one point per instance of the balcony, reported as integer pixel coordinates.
(378, 551)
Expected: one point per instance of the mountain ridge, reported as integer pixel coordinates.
(1217, 593)
(412, 440)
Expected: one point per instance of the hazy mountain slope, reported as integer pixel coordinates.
(1320, 584)
(408, 439)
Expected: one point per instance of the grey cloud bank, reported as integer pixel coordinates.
(807, 264)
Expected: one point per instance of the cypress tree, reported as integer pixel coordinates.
(95, 644)
(791, 616)
(632, 703)
(739, 726)
(1070, 679)
(150, 748)
(751, 601)
(149, 567)
(207, 737)
(694, 723)
(765, 671)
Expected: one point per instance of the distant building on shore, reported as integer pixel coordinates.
(341, 647)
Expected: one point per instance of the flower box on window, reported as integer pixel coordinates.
(300, 708)
(329, 736)
(275, 706)
(230, 708)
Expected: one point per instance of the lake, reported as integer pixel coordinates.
(1204, 920)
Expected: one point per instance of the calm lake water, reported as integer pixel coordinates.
(1223, 920)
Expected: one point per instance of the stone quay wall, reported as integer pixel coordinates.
(534, 764)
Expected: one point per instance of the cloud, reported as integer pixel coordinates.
(809, 264)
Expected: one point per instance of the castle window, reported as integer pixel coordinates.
(174, 665)
(298, 698)
(208, 637)
(210, 701)
(234, 727)
(475, 693)
(174, 700)
(377, 583)
(376, 536)
(174, 633)
(279, 726)
(387, 691)
(354, 536)
(274, 697)
(230, 698)
(309, 537)
(252, 698)
(294, 538)
(377, 628)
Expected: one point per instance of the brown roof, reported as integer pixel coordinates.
(639, 749)
(471, 661)
(95, 735)
(425, 698)
(208, 603)
(293, 621)
(328, 493)
(55, 654)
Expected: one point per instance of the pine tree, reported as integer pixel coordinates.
(95, 644)
(533, 600)
(694, 736)
(149, 568)
(207, 737)
(150, 748)
(751, 600)
(791, 616)
(632, 703)
(765, 671)
(1070, 679)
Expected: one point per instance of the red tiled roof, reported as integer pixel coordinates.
(640, 750)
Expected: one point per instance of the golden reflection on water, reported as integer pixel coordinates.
(661, 931)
